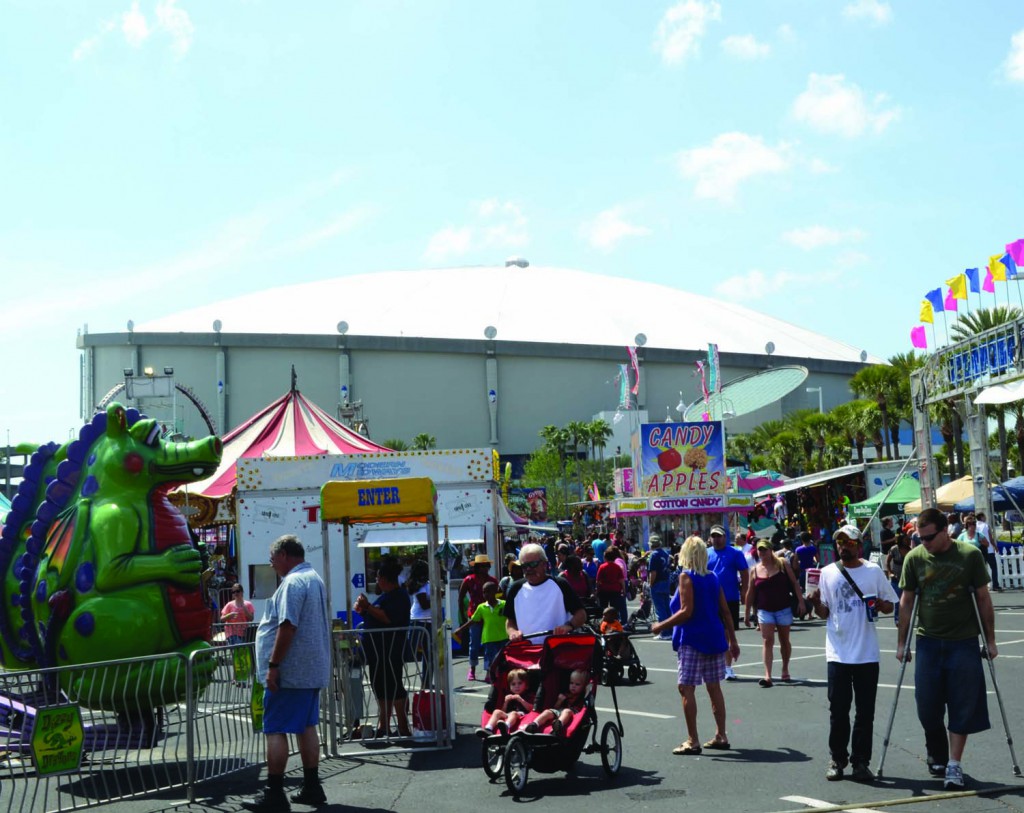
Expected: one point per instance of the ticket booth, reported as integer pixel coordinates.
(399, 500)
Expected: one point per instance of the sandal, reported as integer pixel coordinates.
(687, 749)
(718, 745)
(786, 677)
(765, 683)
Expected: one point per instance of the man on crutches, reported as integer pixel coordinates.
(948, 671)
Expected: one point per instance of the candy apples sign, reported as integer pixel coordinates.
(682, 459)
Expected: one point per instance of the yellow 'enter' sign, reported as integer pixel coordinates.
(408, 499)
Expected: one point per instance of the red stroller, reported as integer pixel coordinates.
(548, 667)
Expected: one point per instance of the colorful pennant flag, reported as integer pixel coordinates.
(714, 375)
(623, 387)
(957, 287)
(918, 338)
(636, 368)
(974, 279)
(996, 267)
(1016, 250)
(950, 303)
(988, 286)
(926, 312)
(1011, 265)
(935, 297)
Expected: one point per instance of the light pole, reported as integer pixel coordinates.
(821, 407)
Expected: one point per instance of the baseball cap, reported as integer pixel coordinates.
(717, 530)
(764, 544)
(849, 531)
(655, 540)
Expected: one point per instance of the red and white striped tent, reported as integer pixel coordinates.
(290, 426)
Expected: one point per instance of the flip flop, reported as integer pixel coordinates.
(686, 749)
(765, 683)
(717, 745)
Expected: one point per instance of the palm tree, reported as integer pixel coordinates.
(901, 406)
(577, 431)
(879, 382)
(396, 444)
(971, 324)
(423, 441)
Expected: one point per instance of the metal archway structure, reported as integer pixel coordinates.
(187, 392)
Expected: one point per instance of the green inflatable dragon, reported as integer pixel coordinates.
(96, 564)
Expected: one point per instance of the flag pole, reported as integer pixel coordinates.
(945, 324)
(935, 342)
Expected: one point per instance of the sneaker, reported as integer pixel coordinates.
(730, 674)
(313, 796)
(267, 801)
(471, 674)
(834, 772)
(938, 771)
(954, 779)
(484, 733)
(861, 773)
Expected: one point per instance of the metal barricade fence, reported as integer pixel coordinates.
(389, 690)
(180, 721)
(49, 716)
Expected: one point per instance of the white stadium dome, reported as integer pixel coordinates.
(524, 303)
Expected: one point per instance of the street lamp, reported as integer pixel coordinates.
(821, 407)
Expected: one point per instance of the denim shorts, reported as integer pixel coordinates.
(290, 711)
(780, 618)
(949, 678)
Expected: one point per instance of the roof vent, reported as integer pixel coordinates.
(520, 262)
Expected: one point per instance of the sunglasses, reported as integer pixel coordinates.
(236, 592)
(928, 537)
(532, 565)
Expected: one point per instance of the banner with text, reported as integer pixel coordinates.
(682, 459)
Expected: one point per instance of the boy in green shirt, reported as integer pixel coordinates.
(490, 613)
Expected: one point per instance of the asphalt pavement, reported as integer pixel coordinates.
(777, 762)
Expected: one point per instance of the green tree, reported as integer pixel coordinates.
(423, 441)
(880, 383)
(545, 468)
(971, 324)
(396, 444)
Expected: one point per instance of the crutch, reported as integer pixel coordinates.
(995, 686)
(899, 682)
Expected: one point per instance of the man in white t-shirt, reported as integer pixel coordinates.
(540, 602)
(851, 650)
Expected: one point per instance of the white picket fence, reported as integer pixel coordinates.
(1011, 569)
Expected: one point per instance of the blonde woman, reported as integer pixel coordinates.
(702, 632)
(771, 582)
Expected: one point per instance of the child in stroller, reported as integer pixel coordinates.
(566, 706)
(518, 702)
(620, 656)
(640, 619)
(564, 670)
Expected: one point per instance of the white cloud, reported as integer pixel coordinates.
(496, 225)
(610, 227)
(812, 237)
(874, 11)
(756, 283)
(175, 21)
(745, 47)
(819, 166)
(731, 158)
(682, 27)
(786, 33)
(1014, 64)
(171, 20)
(134, 26)
(341, 224)
(831, 104)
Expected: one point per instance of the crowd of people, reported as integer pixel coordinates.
(933, 577)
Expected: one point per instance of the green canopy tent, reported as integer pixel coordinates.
(893, 500)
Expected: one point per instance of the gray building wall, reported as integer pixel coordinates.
(437, 386)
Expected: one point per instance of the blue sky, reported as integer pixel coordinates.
(825, 162)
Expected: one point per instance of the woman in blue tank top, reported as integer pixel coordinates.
(702, 632)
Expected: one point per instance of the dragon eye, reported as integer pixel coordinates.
(153, 438)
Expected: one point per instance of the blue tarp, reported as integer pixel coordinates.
(1001, 497)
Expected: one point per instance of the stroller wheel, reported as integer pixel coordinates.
(493, 757)
(643, 674)
(611, 749)
(517, 768)
(633, 673)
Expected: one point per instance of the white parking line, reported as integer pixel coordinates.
(807, 800)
